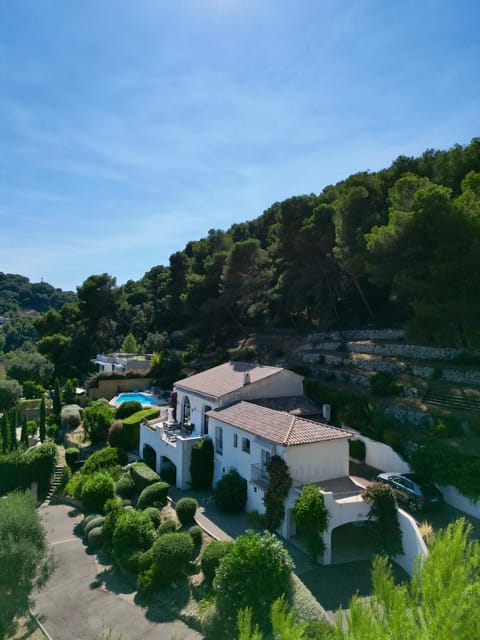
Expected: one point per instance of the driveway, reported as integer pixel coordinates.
(77, 604)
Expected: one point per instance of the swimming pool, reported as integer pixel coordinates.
(143, 398)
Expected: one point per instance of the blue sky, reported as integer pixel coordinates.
(128, 128)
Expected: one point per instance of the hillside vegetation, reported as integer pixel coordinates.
(399, 247)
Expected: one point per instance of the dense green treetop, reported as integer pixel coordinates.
(401, 245)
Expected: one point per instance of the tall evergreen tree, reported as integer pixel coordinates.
(4, 431)
(24, 435)
(57, 401)
(42, 423)
(13, 423)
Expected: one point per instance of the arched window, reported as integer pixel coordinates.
(246, 445)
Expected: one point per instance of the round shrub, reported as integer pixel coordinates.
(112, 504)
(256, 565)
(116, 435)
(155, 495)
(104, 459)
(172, 553)
(97, 489)
(71, 456)
(95, 538)
(212, 555)
(230, 494)
(128, 409)
(93, 524)
(155, 515)
(167, 526)
(89, 518)
(134, 532)
(196, 534)
(186, 509)
(125, 486)
(212, 624)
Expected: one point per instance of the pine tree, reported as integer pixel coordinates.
(42, 424)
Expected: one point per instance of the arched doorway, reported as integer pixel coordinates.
(150, 456)
(168, 471)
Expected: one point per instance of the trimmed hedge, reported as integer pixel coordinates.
(167, 526)
(131, 427)
(104, 459)
(125, 486)
(127, 409)
(186, 509)
(196, 534)
(93, 523)
(155, 495)
(71, 456)
(96, 490)
(172, 553)
(155, 516)
(143, 476)
(201, 464)
(95, 538)
(212, 555)
(230, 494)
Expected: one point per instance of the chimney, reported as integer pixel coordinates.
(246, 379)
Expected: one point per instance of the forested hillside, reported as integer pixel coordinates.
(18, 294)
(396, 247)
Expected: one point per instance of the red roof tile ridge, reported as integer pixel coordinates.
(292, 424)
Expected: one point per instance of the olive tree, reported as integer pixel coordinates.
(25, 560)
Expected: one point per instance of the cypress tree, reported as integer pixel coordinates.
(24, 436)
(57, 402)
(13, 430)
(4, 431)
(42, 425)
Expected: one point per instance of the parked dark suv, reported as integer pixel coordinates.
(416, 493)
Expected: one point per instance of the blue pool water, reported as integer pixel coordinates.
(143, 398)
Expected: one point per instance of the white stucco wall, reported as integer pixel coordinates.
(178, 452)
(309, 463)
(454, 498)
(383, 457)
(412, 542)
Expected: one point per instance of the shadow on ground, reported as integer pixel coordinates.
(334, 585)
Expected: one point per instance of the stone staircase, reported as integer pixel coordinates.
(55, 482)
(455, 399)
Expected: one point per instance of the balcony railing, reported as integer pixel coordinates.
(259, 475)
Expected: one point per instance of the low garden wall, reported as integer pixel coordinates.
(109, 388)
(412, 543)
(455, 499)
(383, 457)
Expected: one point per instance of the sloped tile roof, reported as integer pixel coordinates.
(277, 426)
(226, 378)
(295, 405)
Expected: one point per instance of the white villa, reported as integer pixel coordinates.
(235, 405)
(120, 362)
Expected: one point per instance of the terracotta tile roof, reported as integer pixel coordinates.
(277, 426)
(295, 405)
(226, 378)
